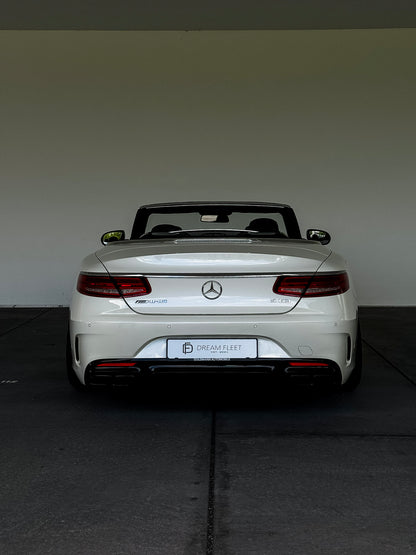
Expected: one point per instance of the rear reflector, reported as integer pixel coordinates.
(116, 364)
(105, 286)
(309, 364)
(312, 286)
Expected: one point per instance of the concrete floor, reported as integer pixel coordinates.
(217, 468)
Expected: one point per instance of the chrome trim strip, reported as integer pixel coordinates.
(102, 274)
(213, 275)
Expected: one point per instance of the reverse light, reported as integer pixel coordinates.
(106, 286)
(316, 285)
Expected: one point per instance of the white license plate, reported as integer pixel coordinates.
(211, 349)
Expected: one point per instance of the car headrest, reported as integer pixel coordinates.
(265, 225)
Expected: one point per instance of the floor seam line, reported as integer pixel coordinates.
(211, 487)
(25, 322)
(317, 435)
(408, 378)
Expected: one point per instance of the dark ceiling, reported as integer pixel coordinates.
(206, 15)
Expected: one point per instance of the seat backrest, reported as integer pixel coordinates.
(264, 225)
(165, 228)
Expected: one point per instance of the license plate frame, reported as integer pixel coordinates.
(211, 349)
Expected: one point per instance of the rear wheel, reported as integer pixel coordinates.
(355, 376)
(72, 376)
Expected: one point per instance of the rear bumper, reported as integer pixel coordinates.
(317, 329)
(297, 371)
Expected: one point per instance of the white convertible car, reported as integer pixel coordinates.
(214, 287)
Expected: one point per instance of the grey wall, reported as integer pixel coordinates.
(95, 123)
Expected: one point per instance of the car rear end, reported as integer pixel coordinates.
(285, 308)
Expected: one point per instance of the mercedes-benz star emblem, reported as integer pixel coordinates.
(211, 290)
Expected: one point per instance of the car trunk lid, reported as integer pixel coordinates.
(206, 276)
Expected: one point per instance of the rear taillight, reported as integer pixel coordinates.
(312, 286)
(105, 286)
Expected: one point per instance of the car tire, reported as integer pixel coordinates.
(355, 376)
(71, 374)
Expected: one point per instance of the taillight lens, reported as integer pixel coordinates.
(312, 286)
(105, 286)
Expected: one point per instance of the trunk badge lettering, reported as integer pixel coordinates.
(151, 301)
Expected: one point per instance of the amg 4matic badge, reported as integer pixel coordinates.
(151, 301)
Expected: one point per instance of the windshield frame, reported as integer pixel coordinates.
(144, 212)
